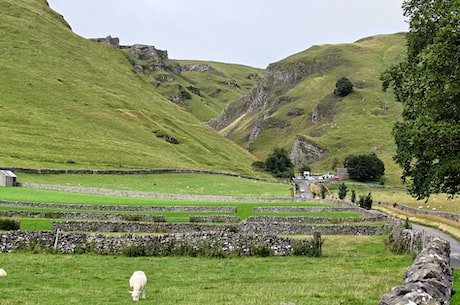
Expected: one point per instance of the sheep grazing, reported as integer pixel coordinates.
(2, 273)
(137, 282)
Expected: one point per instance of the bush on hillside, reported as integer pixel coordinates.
(343, 87)
(363, 168)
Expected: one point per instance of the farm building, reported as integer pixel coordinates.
(7, 178)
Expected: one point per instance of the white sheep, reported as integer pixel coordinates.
(137, 282)
(2, 273)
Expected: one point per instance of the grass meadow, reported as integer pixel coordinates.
(354, 270)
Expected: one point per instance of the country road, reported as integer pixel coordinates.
(454, 244)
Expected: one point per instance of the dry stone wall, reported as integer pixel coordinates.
(429, 280)
(153, 208)
(245, 227)
(87, 216)
(225, 243)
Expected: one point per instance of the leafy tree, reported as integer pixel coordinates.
(364, 168)
(427, 83)
(343, 87)
(279, 164)
(343, 190)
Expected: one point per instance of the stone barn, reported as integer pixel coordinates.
(7, 178)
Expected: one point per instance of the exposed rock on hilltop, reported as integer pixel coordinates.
(203, 88)
(113, 41)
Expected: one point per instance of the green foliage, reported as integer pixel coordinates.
(426, 82)
(279, 163)
(134, 251)
(364, 168)
(353, 196)
(343, 190)
(407, 224)
(397, 245)
(258, 166)
(365, 202)
(322, 191)
(9, 224)
(343, 87)
(262, 250)
(311, 248)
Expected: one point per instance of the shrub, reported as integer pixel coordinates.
(9, 224)
(261, 249)
(343, 190)
(365, 202)
(311, 248)
(353, 196)
(134, 251)
(322, 191)
(343, 87)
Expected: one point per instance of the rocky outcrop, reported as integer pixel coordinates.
(305, 152)
(147, 58)
(113, 41)
(268, 91)
(261, 101)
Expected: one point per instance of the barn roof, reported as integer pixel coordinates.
(7, 173)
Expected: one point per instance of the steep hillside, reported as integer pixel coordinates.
(70, 102)
(203, 88)
(294, 107)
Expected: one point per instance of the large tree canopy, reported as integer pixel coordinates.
(427, 83)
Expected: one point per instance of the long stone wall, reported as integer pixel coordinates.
(224, 243)
(96, 207)
(87, 216)
(46, 171)
(246, 227)
(316, 220)
(429, 280)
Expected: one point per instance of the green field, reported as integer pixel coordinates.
(183, 183)
(353, 271)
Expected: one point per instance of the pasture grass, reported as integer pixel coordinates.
(183, 183)
(354, 270)
(436, 202)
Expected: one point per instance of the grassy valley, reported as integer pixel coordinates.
(301, 104)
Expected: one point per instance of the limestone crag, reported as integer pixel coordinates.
(261, 101)
(305, 152)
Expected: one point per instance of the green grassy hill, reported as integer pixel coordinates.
(295, 103)
(69, 102)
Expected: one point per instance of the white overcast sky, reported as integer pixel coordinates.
(249, 32)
